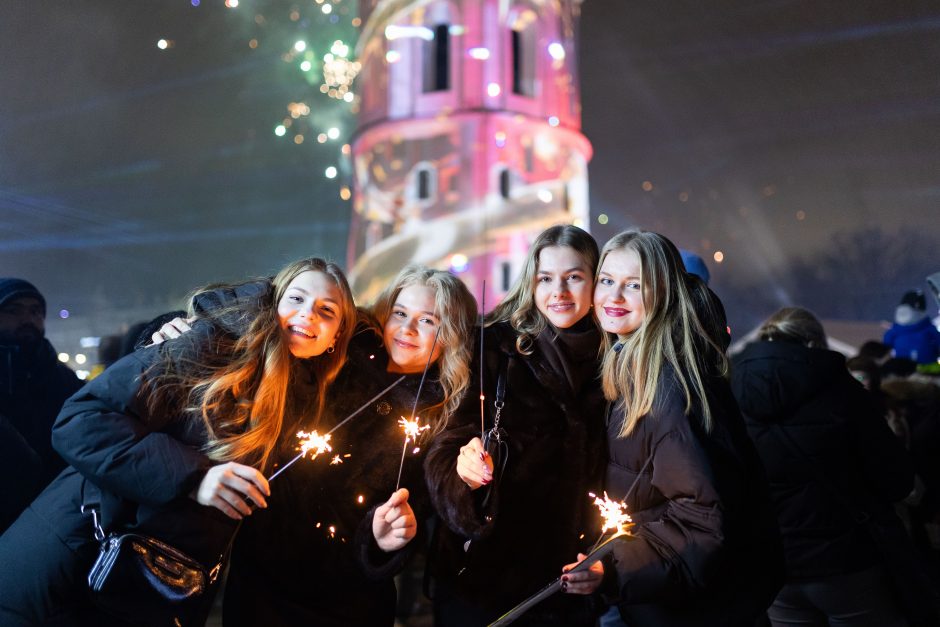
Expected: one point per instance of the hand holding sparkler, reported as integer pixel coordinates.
(585, 581)
(394, 523)
(474, 464)
(615, 519)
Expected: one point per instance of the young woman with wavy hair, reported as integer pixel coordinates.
(326, 549)
(174, 441)
(706, 550)
(515, 513)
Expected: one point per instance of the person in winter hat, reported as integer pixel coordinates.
(913, 335)
(33, 387)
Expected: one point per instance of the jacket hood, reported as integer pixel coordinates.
(771, 379)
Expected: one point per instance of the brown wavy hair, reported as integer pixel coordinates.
(518, 307)
(240, 387)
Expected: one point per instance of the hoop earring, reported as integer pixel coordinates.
(331, 349)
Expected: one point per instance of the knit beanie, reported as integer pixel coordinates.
(915, 299)
(11, 288)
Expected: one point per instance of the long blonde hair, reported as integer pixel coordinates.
(239, 388)
(671, 334)
(456, 308)
(518, 307)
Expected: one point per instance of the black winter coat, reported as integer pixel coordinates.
(32, 390)
(536, 515)
(706, 551)
(809, 395)
(311, 558)
(139, 466)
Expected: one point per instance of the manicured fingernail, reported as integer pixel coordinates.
(564, 586)
(565, 579)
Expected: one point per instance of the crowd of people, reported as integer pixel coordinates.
(767, 487)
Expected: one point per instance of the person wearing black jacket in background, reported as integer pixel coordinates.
(706, 551)
(33, 386)
(172, 442)
(512, 519)
(829, 455)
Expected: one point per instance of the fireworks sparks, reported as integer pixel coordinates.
(336, 460)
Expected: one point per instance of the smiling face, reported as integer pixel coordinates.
(310, 313)
(562, 286)
(410, 330)
(618, 295)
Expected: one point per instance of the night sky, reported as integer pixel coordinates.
(801, 139)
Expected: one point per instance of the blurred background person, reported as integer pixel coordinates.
(33, 386)
(832, 463)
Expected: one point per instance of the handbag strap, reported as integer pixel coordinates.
(859, 515)
(92, 507)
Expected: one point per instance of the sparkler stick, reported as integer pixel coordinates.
(592, 557)
(482, 397)
(306, 446)
(616, 520)
(412, 430)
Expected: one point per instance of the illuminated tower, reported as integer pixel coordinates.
(469, 137)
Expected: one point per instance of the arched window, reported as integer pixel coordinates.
(524, 44)
(505, 275)
(424, 184)
(436, 62)
(504, 183)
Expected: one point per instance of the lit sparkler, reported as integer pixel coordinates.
(614, 519)
(613, 514)
(320, 443)
(412, 431)
(309, 441)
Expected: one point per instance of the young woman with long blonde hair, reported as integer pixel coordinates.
(706, 550)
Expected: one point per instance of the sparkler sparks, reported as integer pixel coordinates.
(313, 441)
(412, 431)
(613, 514)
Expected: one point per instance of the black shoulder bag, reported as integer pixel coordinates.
(143, 580)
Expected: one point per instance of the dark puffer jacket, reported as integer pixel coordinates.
(707, 551)
(33, 386)
(536, 515)
(794, 395)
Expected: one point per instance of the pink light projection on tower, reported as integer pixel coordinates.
(469, 138)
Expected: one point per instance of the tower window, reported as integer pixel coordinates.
(523, 61)
(424, 184)
(504, 181)
(437, 60)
